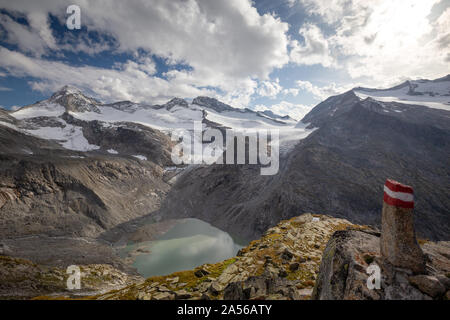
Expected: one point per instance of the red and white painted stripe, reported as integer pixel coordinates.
(399, 195)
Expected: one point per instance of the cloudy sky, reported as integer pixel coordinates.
(284, 55)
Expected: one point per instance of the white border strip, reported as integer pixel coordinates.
(407, 197)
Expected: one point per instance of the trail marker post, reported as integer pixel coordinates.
(398, 239)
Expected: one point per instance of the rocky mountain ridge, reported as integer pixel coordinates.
(309, 256)
(355, 145)
(68, 178)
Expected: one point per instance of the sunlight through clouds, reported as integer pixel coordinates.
(236, 51)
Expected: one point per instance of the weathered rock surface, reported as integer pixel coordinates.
(62, 200)
(348, 254)
(22, 279)
(74, 197)
(398, 238)
(429, 285)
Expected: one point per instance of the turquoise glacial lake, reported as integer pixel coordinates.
(188, 244)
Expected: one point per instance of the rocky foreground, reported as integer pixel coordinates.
(310, 256)
(22, 279)
(343, 271)
(283, 264)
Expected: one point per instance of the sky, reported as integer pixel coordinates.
(285, 55)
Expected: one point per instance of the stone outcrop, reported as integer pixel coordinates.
(364, 264)
(347, 256)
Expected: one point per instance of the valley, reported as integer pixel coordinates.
(91, 183)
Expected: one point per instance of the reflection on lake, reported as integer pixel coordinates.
(188, 244)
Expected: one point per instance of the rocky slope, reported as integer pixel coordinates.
(77, 174)
(22, 279)
(357, 145)
(306, 257)
(349, 253)
(64, 181)
(77, 197)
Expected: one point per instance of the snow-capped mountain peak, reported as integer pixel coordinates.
(176, 102)
(72, 99)
(430, 93)
(67, 114)
(213, 104)
(413, 101)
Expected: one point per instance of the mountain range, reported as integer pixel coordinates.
(85, 172)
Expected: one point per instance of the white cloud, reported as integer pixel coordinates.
(269, 88)
(34, 39)
(37, 39)
(227, 36)
(5, 89)
(330, 10)
(442, 27)
(291, 91)
(227, 44)
(291, 3)
(315, 49)
(129, 81)
(321, 93)
(381, 40)
(295, 111)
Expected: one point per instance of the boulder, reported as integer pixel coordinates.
(261, 287)
(444, 280)
(182, 295)
(164, 296)
(343, 272)
(429, 285)
(204, 296)
(144, 296)
(233, 291)
(215, 288)
(200, 273)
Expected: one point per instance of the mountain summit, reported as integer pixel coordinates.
(73, 100)
(430, 93)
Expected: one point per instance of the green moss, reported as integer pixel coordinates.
(272, 236)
